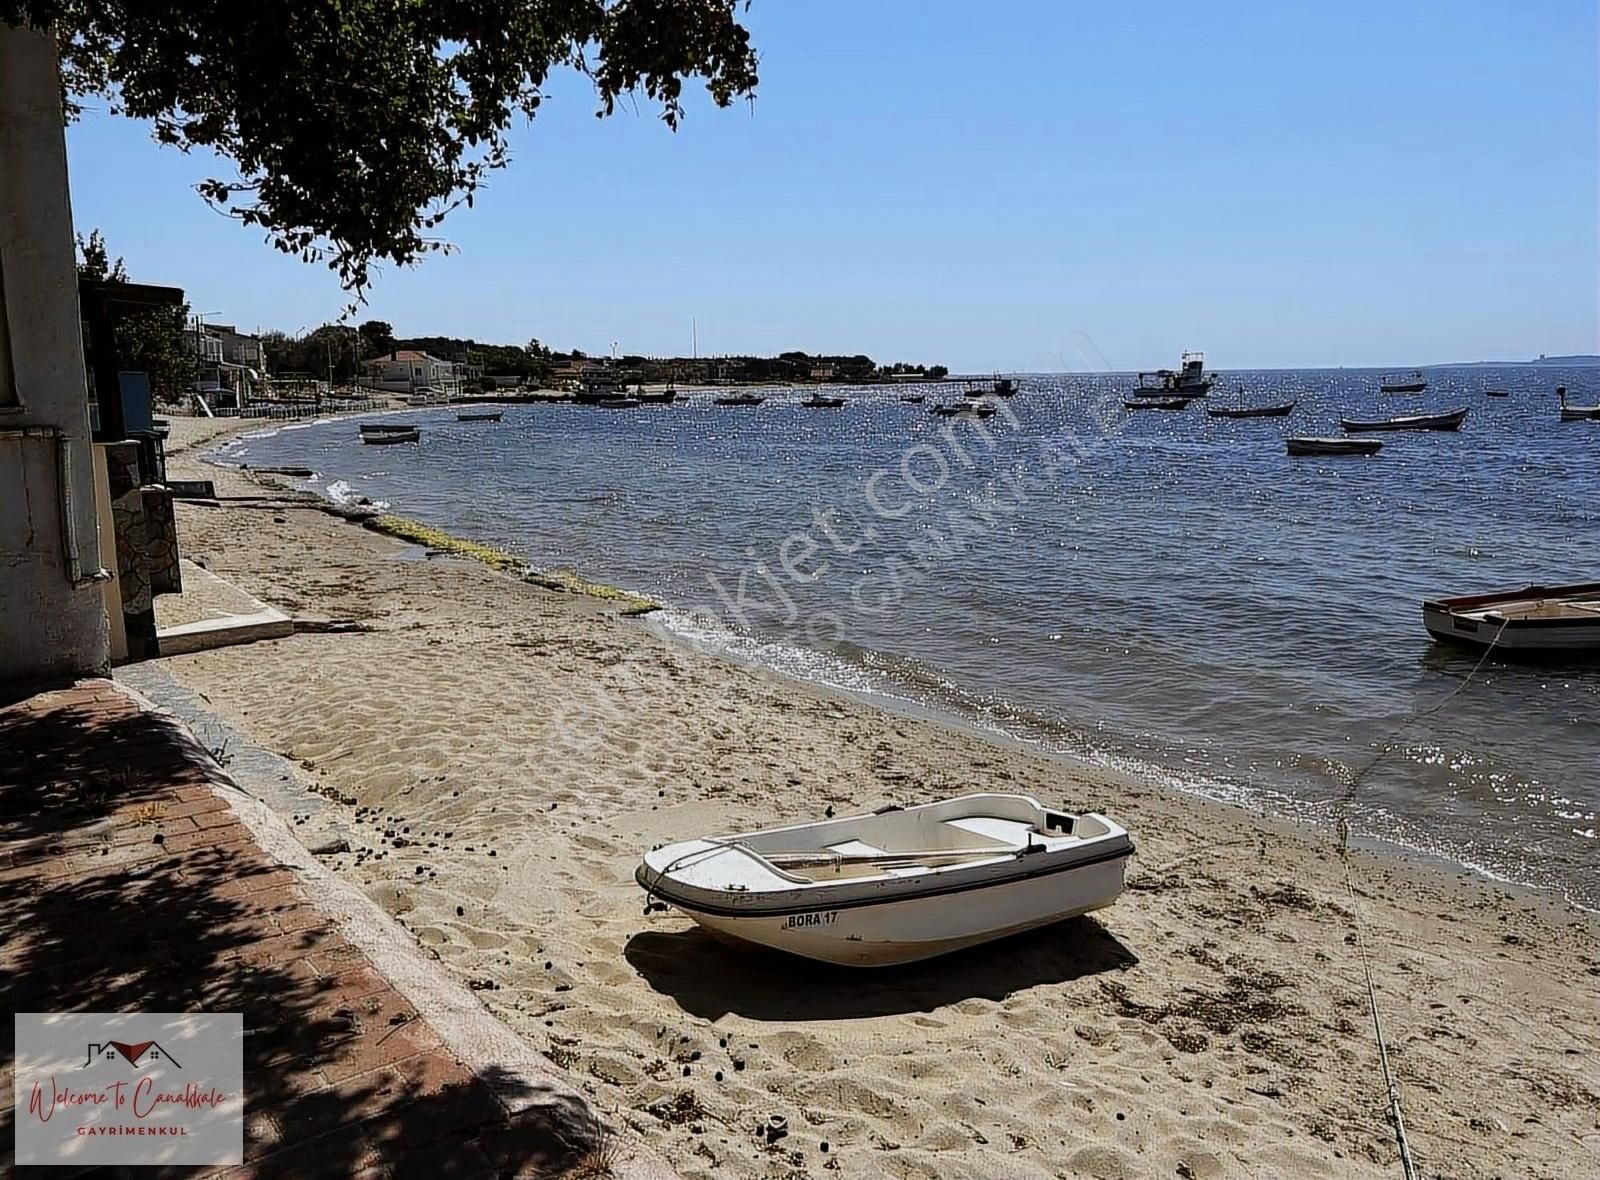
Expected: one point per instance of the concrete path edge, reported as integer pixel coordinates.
(525, 1082)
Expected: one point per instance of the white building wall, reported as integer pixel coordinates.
(52, 621)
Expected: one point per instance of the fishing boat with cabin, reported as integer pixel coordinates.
(899, 884)
(997, 386)
(1188, 380)
(1413, 382)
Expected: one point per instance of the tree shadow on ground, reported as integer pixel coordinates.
(337, 1079)
(710, 979)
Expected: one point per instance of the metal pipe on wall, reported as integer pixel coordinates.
(69, 522)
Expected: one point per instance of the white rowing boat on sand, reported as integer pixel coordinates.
(899, 884)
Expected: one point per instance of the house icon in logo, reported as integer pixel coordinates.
(137, 1055)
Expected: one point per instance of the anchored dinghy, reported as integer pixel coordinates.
(898, 885)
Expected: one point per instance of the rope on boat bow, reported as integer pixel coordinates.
(661, 875)
(1355, 779)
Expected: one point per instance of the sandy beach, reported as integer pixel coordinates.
(502, 753)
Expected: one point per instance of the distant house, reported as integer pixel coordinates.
(230, 362)
(584, 376)
(468, 372)
(415, 374)
(822, 372)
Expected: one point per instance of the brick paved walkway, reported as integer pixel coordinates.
(128, 883)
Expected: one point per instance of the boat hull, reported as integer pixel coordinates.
(1279, 411)
(1332, 446)
(1450, 421)
(1158, 403)
(886, 933)
(1479, 621)
(1410, 387)
(1518, 637)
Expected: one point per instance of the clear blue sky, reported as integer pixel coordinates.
(1032, 185)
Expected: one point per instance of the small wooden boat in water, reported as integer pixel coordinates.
(1282, 410)
(662, 397)
(381, 438)
(1157, 403)
(915, 399)
(966, 410)
(1496, 393)
(817, 402)
(1333, 446)
(1575, 413)
(899, 884)
(618, 403)
(1451, 420)
(367, 428)
(484, 416)
(1533, 621)
(738, 399)
(1412, 382)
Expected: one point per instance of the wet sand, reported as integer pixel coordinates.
(502, 753)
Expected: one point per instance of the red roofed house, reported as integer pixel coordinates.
(416, 374)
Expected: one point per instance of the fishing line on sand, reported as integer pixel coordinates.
(1396, 1115)
(1391, 1087)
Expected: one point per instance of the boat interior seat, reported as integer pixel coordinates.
(857, 848)
(1009, 832)
(1542, 608)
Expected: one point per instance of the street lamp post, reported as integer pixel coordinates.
(200, 342)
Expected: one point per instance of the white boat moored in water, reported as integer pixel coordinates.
(1536, 620)
(899, 884)
(1572, 413)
